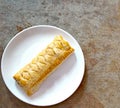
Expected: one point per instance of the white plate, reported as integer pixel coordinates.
(60, 84)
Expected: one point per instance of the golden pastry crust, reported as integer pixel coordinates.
(33, 74)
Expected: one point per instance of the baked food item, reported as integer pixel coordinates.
(32, 74)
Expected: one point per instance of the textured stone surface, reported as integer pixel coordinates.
(96, 26)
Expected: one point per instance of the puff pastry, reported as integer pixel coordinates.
(32, 75)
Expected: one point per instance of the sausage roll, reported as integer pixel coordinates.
(32, 75)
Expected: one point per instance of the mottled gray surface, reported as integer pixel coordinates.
(96, 26)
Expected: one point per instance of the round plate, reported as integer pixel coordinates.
(61, 84)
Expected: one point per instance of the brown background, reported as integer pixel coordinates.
(95, 24)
